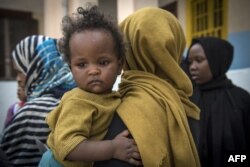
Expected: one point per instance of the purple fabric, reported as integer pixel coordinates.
(12, 111)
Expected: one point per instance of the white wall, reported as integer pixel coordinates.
(55, 10)
(238, 14)
(8, 96)
(240, 78)
(53, 14)
(125, 8)
(144, 3)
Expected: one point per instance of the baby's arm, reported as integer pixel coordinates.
(120, 147)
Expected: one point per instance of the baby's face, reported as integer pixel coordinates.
(94, 61)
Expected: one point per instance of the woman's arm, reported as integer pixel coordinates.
(120, 147)
(116, 127)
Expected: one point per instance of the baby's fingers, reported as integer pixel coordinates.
(135, 162)
(136, 155)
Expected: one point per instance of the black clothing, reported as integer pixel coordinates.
(224, 122)
(225, 108)
(116, 127)
(4, 162)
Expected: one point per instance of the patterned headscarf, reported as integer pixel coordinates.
(39, 59)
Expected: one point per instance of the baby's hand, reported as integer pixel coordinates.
(126, 149)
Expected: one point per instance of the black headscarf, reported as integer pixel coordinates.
(225, 108)
(219, 54)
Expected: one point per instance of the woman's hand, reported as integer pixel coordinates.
(125, 149)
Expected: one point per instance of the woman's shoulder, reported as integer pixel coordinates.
(50, 100)
(39, 106)
(240, 92)
(241, 97)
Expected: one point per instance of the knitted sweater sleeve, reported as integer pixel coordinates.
(70, 124)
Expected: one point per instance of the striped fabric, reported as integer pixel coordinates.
(18, 142)
(47, 78)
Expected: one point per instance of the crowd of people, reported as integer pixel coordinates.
(167, 111)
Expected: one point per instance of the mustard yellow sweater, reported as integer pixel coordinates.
(80, 115)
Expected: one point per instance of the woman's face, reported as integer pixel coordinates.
(198, 65)
(20, 78)
(21, 93)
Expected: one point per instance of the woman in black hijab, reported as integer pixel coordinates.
(225, 108)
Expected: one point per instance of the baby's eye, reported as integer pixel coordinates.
(81, 65)
(104, 62)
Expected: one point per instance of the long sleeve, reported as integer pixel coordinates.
(80, 116)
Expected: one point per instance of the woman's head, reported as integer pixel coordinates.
(37, 59)
(94, 49)
(209, 58)
(20, 77)
(156, 44)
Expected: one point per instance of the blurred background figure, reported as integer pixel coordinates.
(40, 67)
(14, 108)
(225, 108)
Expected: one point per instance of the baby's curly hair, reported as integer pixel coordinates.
(89, 19)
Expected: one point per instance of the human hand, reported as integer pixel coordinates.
(126, 149)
